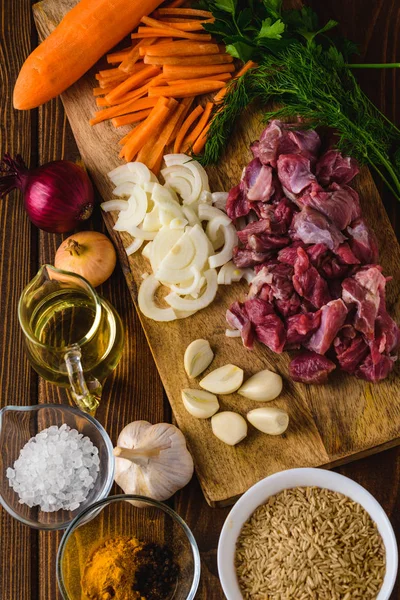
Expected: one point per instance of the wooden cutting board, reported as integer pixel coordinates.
(329, 425)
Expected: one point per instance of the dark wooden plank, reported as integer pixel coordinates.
(18, 256)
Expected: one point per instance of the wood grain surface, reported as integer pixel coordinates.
(27, 571)
(320, 432)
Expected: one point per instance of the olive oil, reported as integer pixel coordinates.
(66, 318)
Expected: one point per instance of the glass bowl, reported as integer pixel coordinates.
(127, 516)
(17, 425)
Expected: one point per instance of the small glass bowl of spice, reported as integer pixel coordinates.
(307, 533)
(128, 548)
(55, 461)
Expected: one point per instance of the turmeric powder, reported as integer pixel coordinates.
(126, 569)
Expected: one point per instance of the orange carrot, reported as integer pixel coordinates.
(102, 102)
(131, 118)
(196, 87)
(246, 67)
(186, 104)
(174, 31)
(132, 82)
(163, 32)
(126, 137)
(117, 57)
(221, 94)
(157, 165)
(192, 137)
(121, 109)
(217, 77)
(127, 65)
(201, 140)
(99, 91)
(164, 136)
(183, 24)
(186, 126)
(181, 48)
(179, 12)
(110, 73)
(87, 32)
(159, 80)
(110, 81)
(146, 129)
(111, 77)
(207, 59)
(176, 72)
(134, 95)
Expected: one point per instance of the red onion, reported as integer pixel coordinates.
(57, 195)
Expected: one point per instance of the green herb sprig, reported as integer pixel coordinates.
(307, 73)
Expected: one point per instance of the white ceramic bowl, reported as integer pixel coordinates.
(274, 484)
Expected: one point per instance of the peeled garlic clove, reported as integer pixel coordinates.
(269, 419)
(198, 356)
(199, 403)
(225, 380)
(229, 427)
(262, 387)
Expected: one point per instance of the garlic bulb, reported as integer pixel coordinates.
(152, 460)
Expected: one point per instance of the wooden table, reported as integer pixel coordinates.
(27, 557)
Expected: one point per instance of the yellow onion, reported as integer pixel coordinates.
(87, 253)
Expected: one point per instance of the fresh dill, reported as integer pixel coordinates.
(306, 78)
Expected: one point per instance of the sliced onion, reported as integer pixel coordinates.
(146, 252)
(180, 183)
(163, 242)
(134, 172)
(214, 233)
(194, 287)
(193, 165)
(167, 271)
(178, 223)
(132, 248)
(207, 212)
(191, 216)
(124, 189)
(232, 333)
(208, 295)
(151, 221)
(138, 232)
(217, 260)
(205, 197)
(184, 167)
(229, 272)
(219, 200)
(137, 208)
(181, 254)
(249, 274)
(112, 205)
(147, 303)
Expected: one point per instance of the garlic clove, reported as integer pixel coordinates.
(225, 380)
(262, 387)
(229, 427)
(199, 403)
(198, 356)
(268, 419)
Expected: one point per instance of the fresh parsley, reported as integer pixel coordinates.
(306, 73)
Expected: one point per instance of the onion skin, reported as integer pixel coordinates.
(57, 196)
(89, 254)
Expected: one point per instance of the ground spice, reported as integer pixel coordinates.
(128, 569)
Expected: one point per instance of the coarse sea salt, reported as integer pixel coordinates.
(55, 470)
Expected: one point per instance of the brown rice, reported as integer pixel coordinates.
(310, 543)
